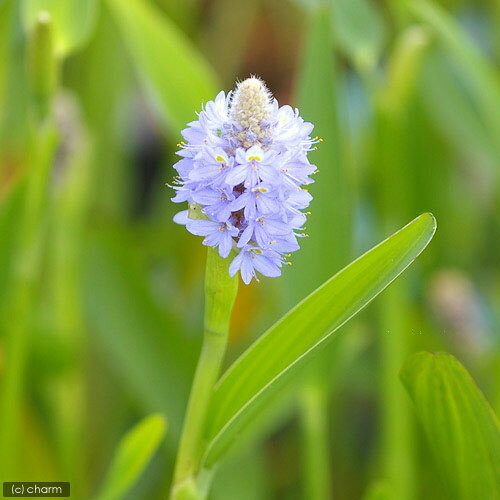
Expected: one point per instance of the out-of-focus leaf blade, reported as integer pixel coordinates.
(133, 454)
(329, 250)
(5, 32)
(452, 108)
(478, 73)
(10, 207)
(359, 30)
(267, 364)
(404, 66)
(174, 72)
(145, 346)
(462, 429)
(72, 20)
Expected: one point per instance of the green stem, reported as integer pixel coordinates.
(43, 66)
(220, 294)
(69, 388)
(43, 139)
(21, 299)
(396, 423)
(316, 438)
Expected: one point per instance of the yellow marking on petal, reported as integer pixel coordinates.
(256, 158)
(219, 158)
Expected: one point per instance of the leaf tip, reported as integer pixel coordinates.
(158, 422)
(430, 220)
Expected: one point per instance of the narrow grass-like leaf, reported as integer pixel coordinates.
(461, 427)
(176, 75)
(261, 370)
(72, 20)
(133, 454)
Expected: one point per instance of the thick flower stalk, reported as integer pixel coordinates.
(244, 163)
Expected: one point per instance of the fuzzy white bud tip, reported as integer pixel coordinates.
(250, 107)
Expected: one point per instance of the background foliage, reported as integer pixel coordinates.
(101, 294)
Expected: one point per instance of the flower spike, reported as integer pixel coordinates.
(243, 164)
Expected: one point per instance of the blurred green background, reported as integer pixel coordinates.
(101, 295)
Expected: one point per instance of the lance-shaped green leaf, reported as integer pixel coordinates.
(133, 454)
(256, 376)
(72, 20)
(177, 76)
(461, 427)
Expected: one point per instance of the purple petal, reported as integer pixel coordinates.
(225, 245)
(235, 265)
(266, 267)
(236, 175)
(182, 217)
(202, 227)
(247, 270)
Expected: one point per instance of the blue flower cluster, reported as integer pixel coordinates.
(243, 163)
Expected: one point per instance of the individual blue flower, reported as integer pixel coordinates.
(253, 166)
(251, 259)
(244, 165)
(217, 234)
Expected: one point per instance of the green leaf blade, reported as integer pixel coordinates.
(462, 429)
(132, 456)
(176, 75)
(260, 370)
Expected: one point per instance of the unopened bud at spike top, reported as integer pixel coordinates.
(251, 108)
